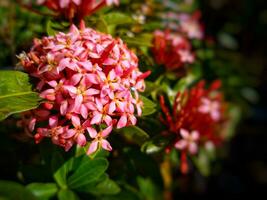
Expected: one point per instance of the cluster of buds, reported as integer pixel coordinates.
(196, 119)
(76, 8)
(90, 83)
(172, 50)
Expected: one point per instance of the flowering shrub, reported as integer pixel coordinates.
(134, 78)
(88, 80)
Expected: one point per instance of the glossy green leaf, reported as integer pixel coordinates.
(89, 170)
(116, 18)
(149, 106)
(16, 94)
(134, 134)
(105, 187)
(67, 195)
(141, 40)
(43, 191)
(14, 191)
(61, 174)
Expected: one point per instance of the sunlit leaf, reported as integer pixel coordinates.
(16, 94)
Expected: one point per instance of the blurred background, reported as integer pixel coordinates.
(242, 25)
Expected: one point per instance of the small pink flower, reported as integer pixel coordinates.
(188, 141)
(99, 139)
(210, 107)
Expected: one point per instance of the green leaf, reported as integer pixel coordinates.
(43, 191)
(148, 189)
(89, 171)
(117, 18)
(202, 162)
(49, 29)
(67, 195)
(60, 175)
(141, 40)
(16, 94)
(14, 191)
(53, 27)
(102, 25)
(154, 145)
(149, 106)
(106, 187)
(134, 134)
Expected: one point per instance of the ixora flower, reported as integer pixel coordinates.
(76, 8)
(189, 24)
(172, 50)
(196, 119)
(90, 83)
(185, 23)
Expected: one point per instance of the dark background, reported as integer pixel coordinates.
(244, 169)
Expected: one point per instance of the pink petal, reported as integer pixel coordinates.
(93, 147)
(215, 115)
(99, 104)
(48, 94)
(92, 132)
(92, 78)
(75, 121)
(106, 131)
(78, 101)
(112, 75)
(53, 121)
(122, 122)
(64, 3)
(91, 106)
(69, 134)
(96, 118)
(52, 83)
(84, 111)
(195, 135)
(71, 89)
(112, 107)
(184, 133)
(81, 140)
(181, 144)
(91, 91)
(193, 148)
(63, 107)
(106, 145)
(75, 79)
(132, 119)
(108, 120)
(86, 65)
(32, 124)
(204, 108)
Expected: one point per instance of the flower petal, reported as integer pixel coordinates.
(92, 132)
(122, 122)
(106, 145)
(93, 147)
(184, 133)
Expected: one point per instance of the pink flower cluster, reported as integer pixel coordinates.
(173, 50)
(90, 83)
(76, 8)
